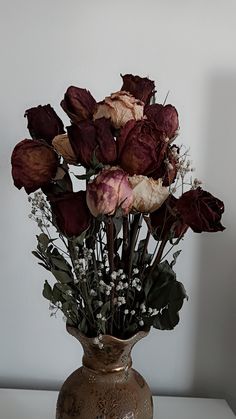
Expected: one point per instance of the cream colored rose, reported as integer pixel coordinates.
(120, 107)
(148, 194)
(61, 144)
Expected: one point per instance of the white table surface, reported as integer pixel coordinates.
(37, 404)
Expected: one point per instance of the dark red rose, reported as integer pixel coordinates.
(34, 164)
(140, 87)
(165, 220)
(169, 167)
(79, 104)
(141, 148)
(201, 211)
(71, 212)
(166, 118)
(88, 137)
(44, 123)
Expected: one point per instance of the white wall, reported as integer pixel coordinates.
(188, 47)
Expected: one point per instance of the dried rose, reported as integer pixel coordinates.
(109, 191)
(169, 167)
(79, 104)
(165, 221)
(166, 118)
(141, 148)
(61, 144)
(120, 107)
(87, 138)
(34, 164)
(140, 87)
(44, 123)
(201, 211)
(149, 194)
(71, 212)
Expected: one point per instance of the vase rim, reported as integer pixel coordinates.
(140, 333)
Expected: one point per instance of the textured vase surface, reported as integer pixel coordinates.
(105, 387)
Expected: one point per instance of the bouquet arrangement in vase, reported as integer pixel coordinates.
(111, 276)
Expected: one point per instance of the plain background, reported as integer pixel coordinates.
(188, 47)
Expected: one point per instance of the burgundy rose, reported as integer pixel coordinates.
(169, 167)
(166, 118)
(201, 210)
(89, 137)
(165, 220)
(79, 104)
(109, 191)
(34, 164)
(71, 212)
(141, 148)
(140, 87)
(44, 123)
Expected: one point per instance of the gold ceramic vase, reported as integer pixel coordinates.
(105, 387)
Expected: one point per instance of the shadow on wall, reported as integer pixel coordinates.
(215, 346)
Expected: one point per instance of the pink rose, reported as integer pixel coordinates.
(109, 191)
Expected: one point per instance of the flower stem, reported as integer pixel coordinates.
(134, 230)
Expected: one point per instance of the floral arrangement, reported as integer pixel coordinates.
(110, 275)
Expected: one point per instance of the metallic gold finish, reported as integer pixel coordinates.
(105, 387)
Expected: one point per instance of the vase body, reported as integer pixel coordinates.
(106, 386)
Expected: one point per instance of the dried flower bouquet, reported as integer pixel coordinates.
(111, 276)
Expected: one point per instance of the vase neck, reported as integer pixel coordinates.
(114, 356)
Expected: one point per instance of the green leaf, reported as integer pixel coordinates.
(79, 240)
(37, 255)
(43, 241)
(168, 318)
(86, 176)
(175, 256)
(47, 291)
(60, 262)
(62, 276)
(158, 277)
(44, 266)
(118, 222)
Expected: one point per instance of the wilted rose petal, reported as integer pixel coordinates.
(120, 107)
(109, 191)
(141, 148)
(44, 123)
(61, 144)
(201, 211)
(71, 212)
(149, 194)
(79, 104)
(166, 118)
(34, 164)
(89, 138)
(140, 87)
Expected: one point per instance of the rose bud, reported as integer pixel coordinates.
(71, 212)
(149, 194)
(141, 148)
(61, 144)
(109, 191)
(140, 87)
(34, 164)
(88, 138)
(79, 104)
(165, 222)
(166, 118)
(43, 123)
(200, 210)
(120, 107)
